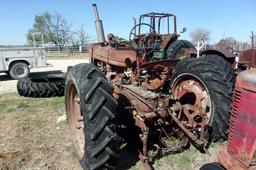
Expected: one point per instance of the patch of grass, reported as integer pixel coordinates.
(55, 103)
(188, 159)
(13, 103)
(185, 159)
(31, 123)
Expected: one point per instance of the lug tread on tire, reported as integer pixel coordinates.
(99, 111)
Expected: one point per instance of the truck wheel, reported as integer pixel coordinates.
(41, 87)
(19, 70)
(91, 113)
(208, 83)
(175, 47)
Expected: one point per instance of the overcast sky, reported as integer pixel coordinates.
(224, 18)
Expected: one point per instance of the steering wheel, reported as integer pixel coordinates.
(144, 42)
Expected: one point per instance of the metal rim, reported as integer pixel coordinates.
(75, 120)
(20, 71)
(190, 89)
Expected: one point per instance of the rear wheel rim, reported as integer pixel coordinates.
(75, 120)
(190, 89)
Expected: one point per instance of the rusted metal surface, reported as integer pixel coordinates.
(157, 17)
(184, 125)
(147, 106)
(114, 56)
(75, 120)
(176, 148)
(158, 72)
(247, 80)
(141, 104)
(158, 80)
(240, 152)
(194, 103)
(156, 24)
(166, 39)
(145, 162)
(248, 58)
(139, 87)
(230, 162)
(191, 90)
(171, 63)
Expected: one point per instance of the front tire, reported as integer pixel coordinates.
(91, 113)
(207, 83)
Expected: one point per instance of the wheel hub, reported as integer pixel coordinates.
(196, 101)
(19, 71)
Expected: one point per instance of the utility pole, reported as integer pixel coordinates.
(252, 40)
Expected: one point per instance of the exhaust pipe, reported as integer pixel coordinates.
(98, 25)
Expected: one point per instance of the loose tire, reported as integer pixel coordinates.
(211, 78)
(19, 70)
(176, 46)
(91, 113)
(41, 87)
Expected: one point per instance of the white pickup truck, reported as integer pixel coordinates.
(18, 61)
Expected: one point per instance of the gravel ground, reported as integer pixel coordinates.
(7, 84)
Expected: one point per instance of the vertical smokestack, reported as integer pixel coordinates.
(98, 25)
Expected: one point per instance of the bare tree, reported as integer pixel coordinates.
(81, 37)
(55, 28)
(61, 29)
(200, 34)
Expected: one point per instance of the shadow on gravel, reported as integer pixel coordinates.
(5, 77)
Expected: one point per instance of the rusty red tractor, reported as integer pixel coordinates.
(240, 152)
(141, 93)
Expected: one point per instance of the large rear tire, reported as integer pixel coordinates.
(91, 113)
(208, 83)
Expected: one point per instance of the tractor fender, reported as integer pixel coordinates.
(225, 53)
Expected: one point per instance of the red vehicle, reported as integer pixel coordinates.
(247, 59)
(240, 152)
